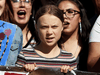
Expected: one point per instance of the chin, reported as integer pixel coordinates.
(21, 22)
(50, 44)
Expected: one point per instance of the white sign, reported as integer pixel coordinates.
(13, 73)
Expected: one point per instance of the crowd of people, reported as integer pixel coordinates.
(49, 33)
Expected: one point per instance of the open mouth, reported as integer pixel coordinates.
(65, 23)
(21, 14)
(50, 38)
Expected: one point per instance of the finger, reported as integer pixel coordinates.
(35, 65)
(71, 68)
(66, 69)
(62, 68)
(26, 67)
(31, 67)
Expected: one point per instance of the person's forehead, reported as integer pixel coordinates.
(67, 5)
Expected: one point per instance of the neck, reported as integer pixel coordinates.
(25, 29)
(72, 37)
(71, 43)
(22, 26)
(26, 35)
(47, 49)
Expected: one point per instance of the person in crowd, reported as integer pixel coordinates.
(96, 4)
(10, 36)
(93, 62)
(23, 16)
(76, 30)
(49, 25)
(5, 11)
(93, 58)
(39, 3)
(2, 5)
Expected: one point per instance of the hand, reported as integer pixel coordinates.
(66, 68)
(30, 67)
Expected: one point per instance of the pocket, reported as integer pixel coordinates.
(14, 46)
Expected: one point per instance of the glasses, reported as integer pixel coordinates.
(25, 1)
(70, 13)
(17, 2)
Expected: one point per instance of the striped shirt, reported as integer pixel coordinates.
(29, 56)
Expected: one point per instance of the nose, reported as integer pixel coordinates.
(22, 3)
(49, 31)
(64, 15)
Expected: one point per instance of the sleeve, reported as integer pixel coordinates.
(20, 59)
(16, 47)
(21, 39)
(95, 32)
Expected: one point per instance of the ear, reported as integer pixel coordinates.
(62, 27)
(79, 19)
(36, 26)
(30, 14)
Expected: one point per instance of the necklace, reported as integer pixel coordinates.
(75, 50)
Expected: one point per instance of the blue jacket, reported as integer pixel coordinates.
(15, 47)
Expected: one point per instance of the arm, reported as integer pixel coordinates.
(93, 62)
(94, 47)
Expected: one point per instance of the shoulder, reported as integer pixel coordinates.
(65, 52)
(11, 26)
(67, 55)
(18, 34)
(18, 29)
(97, 24)
(95, 32)
(28, 50)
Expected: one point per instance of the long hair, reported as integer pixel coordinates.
(7, 13)
(30, 26)
(86, 27)
(31, 23)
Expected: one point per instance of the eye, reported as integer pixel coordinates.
(43, 27)
(70, 11)
(27, 1)
(16, 0)
(54, 27)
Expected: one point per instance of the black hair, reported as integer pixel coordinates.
(86, 26)
(31, 24)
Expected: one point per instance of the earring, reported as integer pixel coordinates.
(80, 28)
